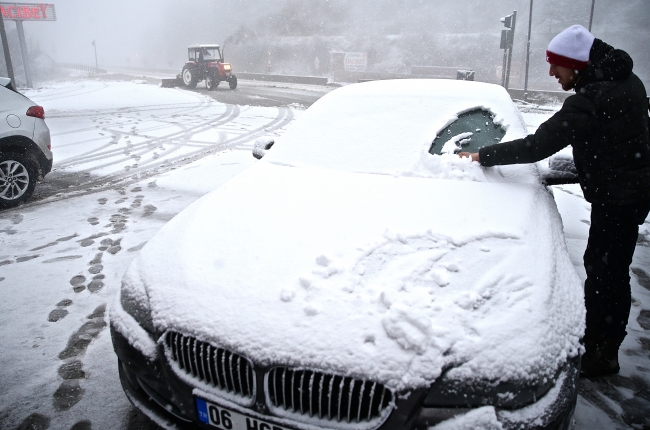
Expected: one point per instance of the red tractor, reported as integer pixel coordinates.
(206, 62)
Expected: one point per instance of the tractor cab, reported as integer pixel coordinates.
(202, 53)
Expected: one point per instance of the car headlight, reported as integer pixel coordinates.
(135, 301)
(447, 393)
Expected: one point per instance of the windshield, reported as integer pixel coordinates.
(210, 54)
(469, 133)
(204, 54)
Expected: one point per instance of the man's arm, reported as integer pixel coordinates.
(574, 122)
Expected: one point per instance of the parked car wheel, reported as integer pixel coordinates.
(17, 179)
(190, 77)
(233, 82)
(211, 83)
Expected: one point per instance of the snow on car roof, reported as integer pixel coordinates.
(388, 126)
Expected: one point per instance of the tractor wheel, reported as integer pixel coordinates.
(190, 77)
(211, 83)
(233, 82)
(17, 179)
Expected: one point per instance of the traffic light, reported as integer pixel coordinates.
(507, 41)
(507, 35)
(507, 20)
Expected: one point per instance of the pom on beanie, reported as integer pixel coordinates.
(571, 48)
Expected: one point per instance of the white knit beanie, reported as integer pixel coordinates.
(571, 48)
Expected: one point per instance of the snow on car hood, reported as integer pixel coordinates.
(386, 278)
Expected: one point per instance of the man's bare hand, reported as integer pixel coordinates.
(472, 155)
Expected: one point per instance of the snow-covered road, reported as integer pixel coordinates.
(128, 157)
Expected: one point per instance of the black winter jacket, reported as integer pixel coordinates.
(606, 122)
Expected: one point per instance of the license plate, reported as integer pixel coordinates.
(225, 419)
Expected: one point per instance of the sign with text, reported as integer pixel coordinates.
(355, 61)
(28, 11)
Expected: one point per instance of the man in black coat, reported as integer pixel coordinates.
(606, 122)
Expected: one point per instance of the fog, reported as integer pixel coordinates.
(289, 35)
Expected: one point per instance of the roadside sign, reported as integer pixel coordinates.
(355, 61)
(28, 11)
(19, 12)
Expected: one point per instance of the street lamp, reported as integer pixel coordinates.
(96, 64)
(530, 24)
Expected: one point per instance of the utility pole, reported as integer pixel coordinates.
(591, 15)
(96, 64)
(530, 25)
(5, 47)
(23, 53)
(511, 44)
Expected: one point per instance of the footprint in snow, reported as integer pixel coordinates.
(60, 312)
(111, 246)
(149, 209)
(137, 202)
(86, 242)
(644, 319)
(35, 421)
(642, 277)
(97, 268)
(97, 259)
(82, 425)
(77, 283)
(102, 201)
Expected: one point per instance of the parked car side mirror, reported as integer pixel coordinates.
(561, 170)
(262, 145)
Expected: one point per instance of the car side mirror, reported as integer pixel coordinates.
(561, 170)
(262, 145)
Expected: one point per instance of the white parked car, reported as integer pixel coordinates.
(25, 151)
(362, 276)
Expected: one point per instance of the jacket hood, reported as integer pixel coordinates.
(605, 64)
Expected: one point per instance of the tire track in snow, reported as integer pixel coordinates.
(65, 94)
(231, 113)
(80, 183)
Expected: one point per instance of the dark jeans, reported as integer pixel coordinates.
(612, 239)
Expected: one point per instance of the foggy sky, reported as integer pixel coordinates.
(155, 33)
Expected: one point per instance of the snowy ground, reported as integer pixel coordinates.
(129, 156)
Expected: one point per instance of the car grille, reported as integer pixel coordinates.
(218, 367)
(327, 396)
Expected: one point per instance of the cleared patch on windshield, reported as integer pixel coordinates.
(469, 133)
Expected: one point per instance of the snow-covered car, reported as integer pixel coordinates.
(25, 151)
(362, 276)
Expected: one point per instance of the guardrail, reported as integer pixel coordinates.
(310, 80)
(82, 67)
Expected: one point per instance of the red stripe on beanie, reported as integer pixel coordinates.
(569, 63)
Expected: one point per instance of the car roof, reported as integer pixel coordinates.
(386, 126)
(203, 46)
